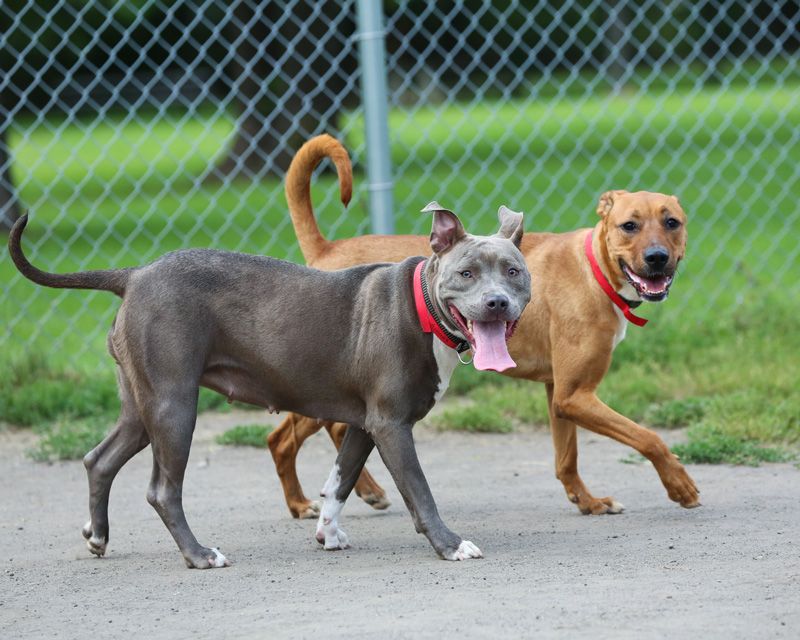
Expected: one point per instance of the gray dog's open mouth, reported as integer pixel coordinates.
(653, 288)
(487, 340)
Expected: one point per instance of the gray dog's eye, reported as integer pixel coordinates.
(466, 274)
(513, 272)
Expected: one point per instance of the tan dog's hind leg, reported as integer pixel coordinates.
(284, 443)
(566, 451)
(366, 488)
(577, 373)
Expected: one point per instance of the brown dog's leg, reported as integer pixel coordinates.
(366, 488)
(577, 373)
(284, 443)
(566, 450)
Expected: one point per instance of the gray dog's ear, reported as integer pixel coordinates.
(510, 224)
(447, 228)
(606, 202)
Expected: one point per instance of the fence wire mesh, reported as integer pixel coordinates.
(130, 128)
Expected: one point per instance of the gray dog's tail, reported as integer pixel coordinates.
(112, 280)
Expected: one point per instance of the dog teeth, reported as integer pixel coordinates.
(469, 325)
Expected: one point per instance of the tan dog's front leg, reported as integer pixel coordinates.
(284, 443)
(366, 487)
(585, 408)
(566, 451)
(578, 370)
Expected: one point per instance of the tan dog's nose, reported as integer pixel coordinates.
(656, 257)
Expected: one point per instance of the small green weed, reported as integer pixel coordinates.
(474, 418)
(677, 413)
(711, 445)
(249, 435)
(69, 439)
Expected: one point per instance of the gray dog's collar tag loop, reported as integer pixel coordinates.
(461, 360)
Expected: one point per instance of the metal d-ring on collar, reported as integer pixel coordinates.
(461, 345)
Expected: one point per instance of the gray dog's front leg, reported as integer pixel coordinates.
(396, 446)
(353, 454)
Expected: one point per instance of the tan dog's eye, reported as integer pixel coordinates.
(672, 223)
(630, 226)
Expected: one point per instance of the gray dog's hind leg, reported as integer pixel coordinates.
(396, 446)
(171, 424)
(104, 462)
(353, 454)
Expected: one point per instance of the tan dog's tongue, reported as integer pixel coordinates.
(490, 351)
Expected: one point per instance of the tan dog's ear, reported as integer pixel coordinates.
(510, 225)
(447, 228)
(606, 202)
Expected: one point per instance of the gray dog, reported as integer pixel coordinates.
(246, 326)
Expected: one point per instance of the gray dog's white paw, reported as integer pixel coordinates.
(465, 551)
(96, 545)
(218, 561)
(331, 536)
(337, 541)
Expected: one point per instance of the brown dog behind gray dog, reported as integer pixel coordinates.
(565, 338)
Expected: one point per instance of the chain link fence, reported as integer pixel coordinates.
(130, 128)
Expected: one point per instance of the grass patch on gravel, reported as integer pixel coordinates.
(69, 439)
(246, 435)
(711, 445)
(71, 410)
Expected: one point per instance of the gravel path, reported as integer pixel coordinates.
(730, 569)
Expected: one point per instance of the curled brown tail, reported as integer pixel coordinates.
(298, 190)
(114, 281)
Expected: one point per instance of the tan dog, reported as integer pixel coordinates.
(565, 337)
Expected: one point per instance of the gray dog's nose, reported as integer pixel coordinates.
(497, 302)
(656, 257)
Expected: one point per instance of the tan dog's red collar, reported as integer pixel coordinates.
(618, 300)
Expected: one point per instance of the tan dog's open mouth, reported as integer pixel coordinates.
(487, 340)
(653, 288)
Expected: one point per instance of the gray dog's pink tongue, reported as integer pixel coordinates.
(490, 351)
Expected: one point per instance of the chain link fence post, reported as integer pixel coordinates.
(371, 45)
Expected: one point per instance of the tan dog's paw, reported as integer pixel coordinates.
(681, 488)
(379, 502)
(589, 505)
(305, 510)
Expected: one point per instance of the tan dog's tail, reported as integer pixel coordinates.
(298, 190)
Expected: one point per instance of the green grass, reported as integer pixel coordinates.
(69, 439)
(716, 355)
(249, 435)
(712, 445)
(477, 417)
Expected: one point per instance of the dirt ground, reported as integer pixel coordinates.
(730, 569)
